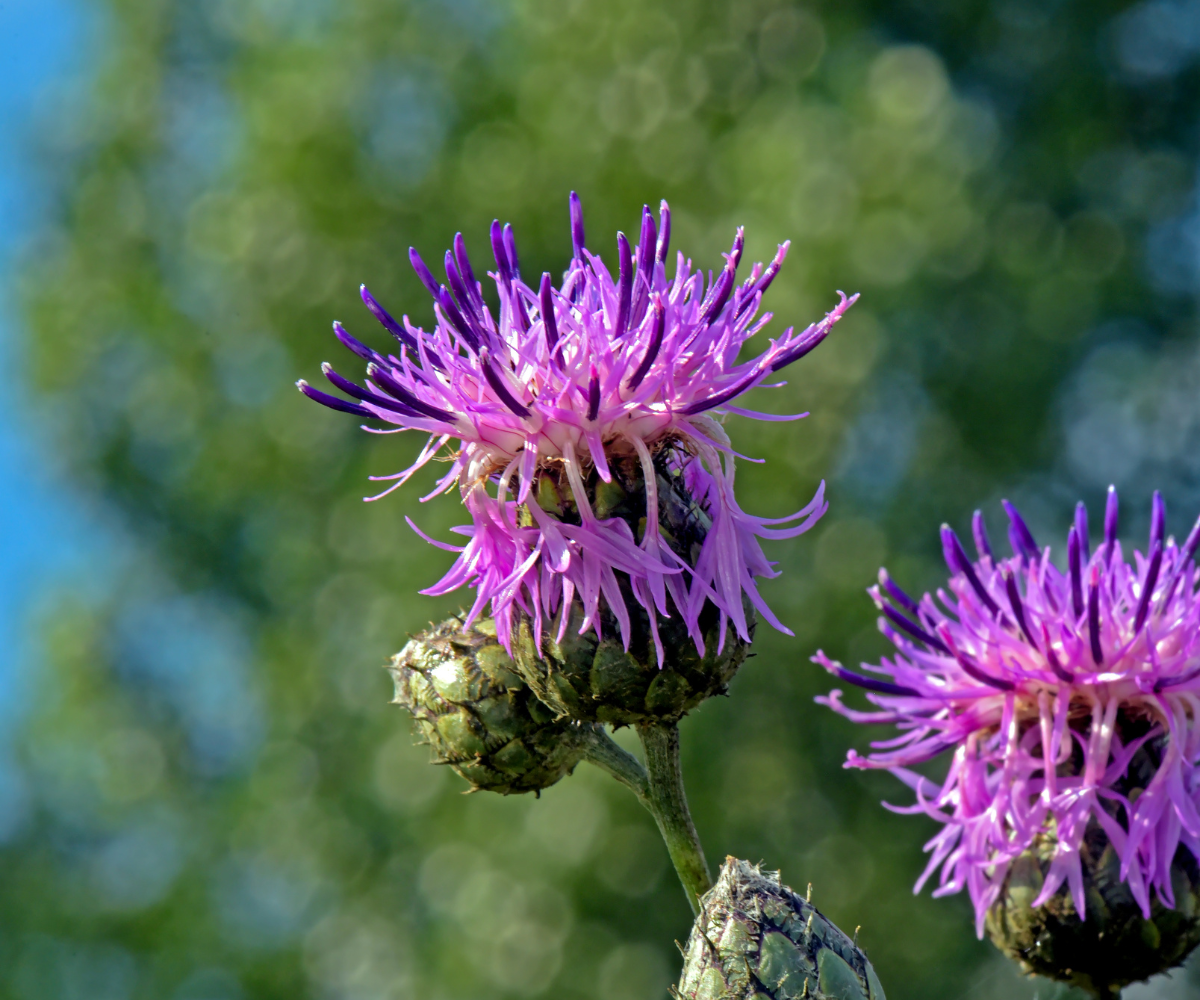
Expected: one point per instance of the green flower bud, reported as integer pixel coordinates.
(1115, 944)
(471, 707)
(596, 679)
(755, 939)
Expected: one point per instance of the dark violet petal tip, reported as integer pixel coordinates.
(897, 594)
(1152, 571)
(868, 683)
(345, 406)
(647, 240)
(805, 345)
(516, 302)
(1015, 542)
(913, 629)
(956, 559)
(381, 314)
(1081, 526)
(1189, 546)
(765, 279)
(1052, 658)
(499, 252)
(1158, 519)
(952, 550)
(549, 322)
(645, 268)
(464, 267)
(718, 297)
(972, 669)
(1017, 606)
(465, 300)
(366, 395)
(577, 239)
(1111, 514)
(656, 339)
(354, 344)
(1020, 536)
(383, 378)
(496, 381)
(664, 233)
(722, 397)
(1181, 562)
(510, 249)
(979, 530)
(624, 285)
(456, 318)
(423, 272)
(719, 293)
(1167, 685)
(1094, 624)
(394, 328)
(735, 252)
(1075, 569)
(593, 409)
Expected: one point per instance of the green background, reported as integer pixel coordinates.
(221, 803)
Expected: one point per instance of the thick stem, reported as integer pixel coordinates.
(669, 805)
(600, 749)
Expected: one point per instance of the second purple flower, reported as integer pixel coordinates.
(1068, 700)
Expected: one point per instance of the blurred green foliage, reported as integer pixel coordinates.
(222, 804)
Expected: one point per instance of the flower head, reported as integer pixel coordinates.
(556, 389)
(1069, 700)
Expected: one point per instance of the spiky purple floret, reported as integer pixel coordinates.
(576, 378)
(1031, 665)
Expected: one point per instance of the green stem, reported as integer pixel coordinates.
(600, 749)
(668, 803)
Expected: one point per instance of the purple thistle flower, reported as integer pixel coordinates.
(1044, 685)
(632, 369)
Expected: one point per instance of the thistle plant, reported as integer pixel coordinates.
(614, 572)
(608, 553)
(1068, 701)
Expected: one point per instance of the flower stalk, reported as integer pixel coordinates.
(659, 787)
(600, 749)
(668, 804)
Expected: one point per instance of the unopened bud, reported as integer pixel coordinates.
(756, 938)
(472, 708)
(1116, 943)
(596, 679)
